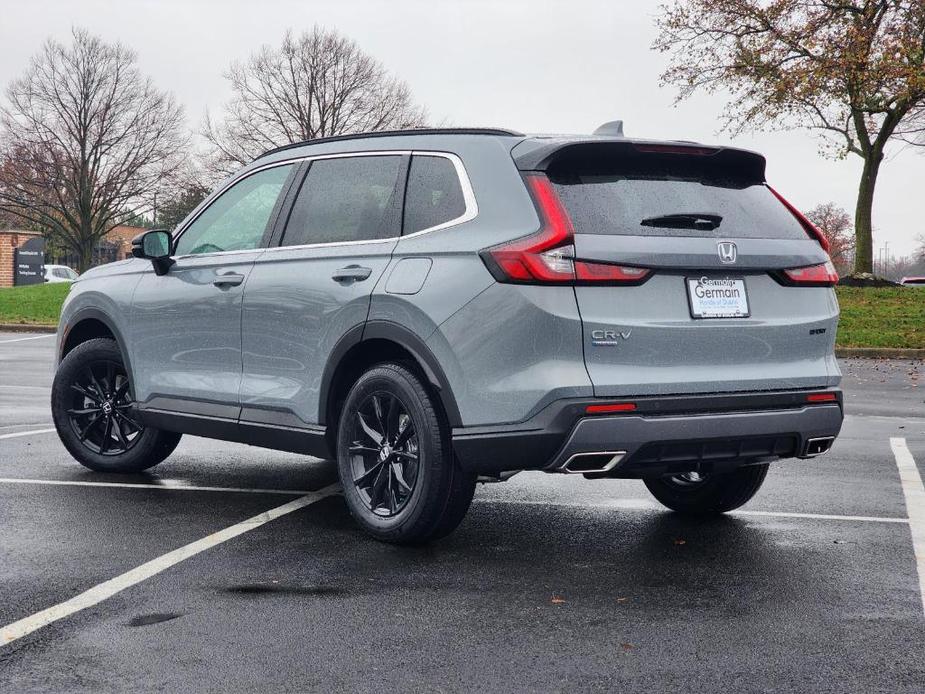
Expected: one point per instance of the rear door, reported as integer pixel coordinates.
(716, 311)
(313, 288)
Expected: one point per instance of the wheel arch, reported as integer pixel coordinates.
(87, 324)
(373, 343)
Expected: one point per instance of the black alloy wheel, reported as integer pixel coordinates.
(401, 479)
(92, 405)
(101, 409)
(705, 494)
(384, 453)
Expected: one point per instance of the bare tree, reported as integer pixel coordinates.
(919, 253)
(853, 70)
(86, 140)
(317, 85)
(838, 228)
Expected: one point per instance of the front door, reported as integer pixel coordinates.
(186, 324)
(306, 293)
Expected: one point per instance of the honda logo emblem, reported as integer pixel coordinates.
(727, 252)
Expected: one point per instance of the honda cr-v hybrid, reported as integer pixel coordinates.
(431, 308)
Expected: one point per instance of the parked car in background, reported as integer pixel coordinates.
(912, 281)
(59, 273)
(435, 307)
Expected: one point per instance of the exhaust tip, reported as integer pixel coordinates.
(817, 446)
(597, 461)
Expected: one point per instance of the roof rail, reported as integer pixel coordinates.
(390, 133)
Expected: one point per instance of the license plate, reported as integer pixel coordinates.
(717, 297)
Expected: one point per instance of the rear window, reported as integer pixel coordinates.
(668, 199)
(434, 194)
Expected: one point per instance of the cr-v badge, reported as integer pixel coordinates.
(609, 338)
(727, 252)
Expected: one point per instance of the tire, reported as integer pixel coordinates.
(89, 378)
(377, 471)
(712, 494)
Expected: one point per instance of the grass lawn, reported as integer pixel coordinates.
(881, 317)
(38, 303)
(884, 317)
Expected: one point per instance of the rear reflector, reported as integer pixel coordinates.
(821, 397)
(612, 407)
(823, 275)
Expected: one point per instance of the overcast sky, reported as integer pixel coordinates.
(529, 65)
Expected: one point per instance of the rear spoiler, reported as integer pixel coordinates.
(542, 154)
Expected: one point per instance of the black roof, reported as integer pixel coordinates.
(392, 133)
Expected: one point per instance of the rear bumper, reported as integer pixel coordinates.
(661, 435)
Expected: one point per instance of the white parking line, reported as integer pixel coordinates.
(914, 492)
(165, 487)
(105, 590)
(645, 505)
(25, 433)
(23, 339)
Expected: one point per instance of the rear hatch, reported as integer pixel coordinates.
(698, 278)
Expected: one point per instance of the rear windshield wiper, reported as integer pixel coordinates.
(684, 220)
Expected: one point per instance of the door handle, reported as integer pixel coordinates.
(356, 273)
(228, 279)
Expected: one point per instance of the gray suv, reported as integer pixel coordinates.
(434, 308)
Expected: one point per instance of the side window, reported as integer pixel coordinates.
(237, 219)
(434, 194)
(345, 199)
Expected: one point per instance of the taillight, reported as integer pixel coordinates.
(823, 275)
(808, 226)
(548, 256)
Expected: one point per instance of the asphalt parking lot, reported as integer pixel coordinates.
(552, 583)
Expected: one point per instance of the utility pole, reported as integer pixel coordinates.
(154, 213)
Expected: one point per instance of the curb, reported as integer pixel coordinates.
(879, 353)
(26, 328)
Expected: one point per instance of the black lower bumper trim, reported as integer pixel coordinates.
(539, 442)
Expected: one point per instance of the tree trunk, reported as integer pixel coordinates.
(863, 221)
(85, 256)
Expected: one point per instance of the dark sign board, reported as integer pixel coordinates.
(29, 262)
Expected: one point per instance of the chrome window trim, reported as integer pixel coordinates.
(472, 207)
(470, 213)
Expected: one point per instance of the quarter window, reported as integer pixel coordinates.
(434, 194)
(346, 199)
(237, 220)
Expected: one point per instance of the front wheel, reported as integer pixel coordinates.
(708, 493)
(400, 478)
(93, 410)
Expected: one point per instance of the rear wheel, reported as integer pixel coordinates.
(400, 478)
(92, 405)
(708, 493)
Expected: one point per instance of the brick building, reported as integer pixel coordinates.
(10, 240)
(116, 245)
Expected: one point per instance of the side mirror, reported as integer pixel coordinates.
(155, 246)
